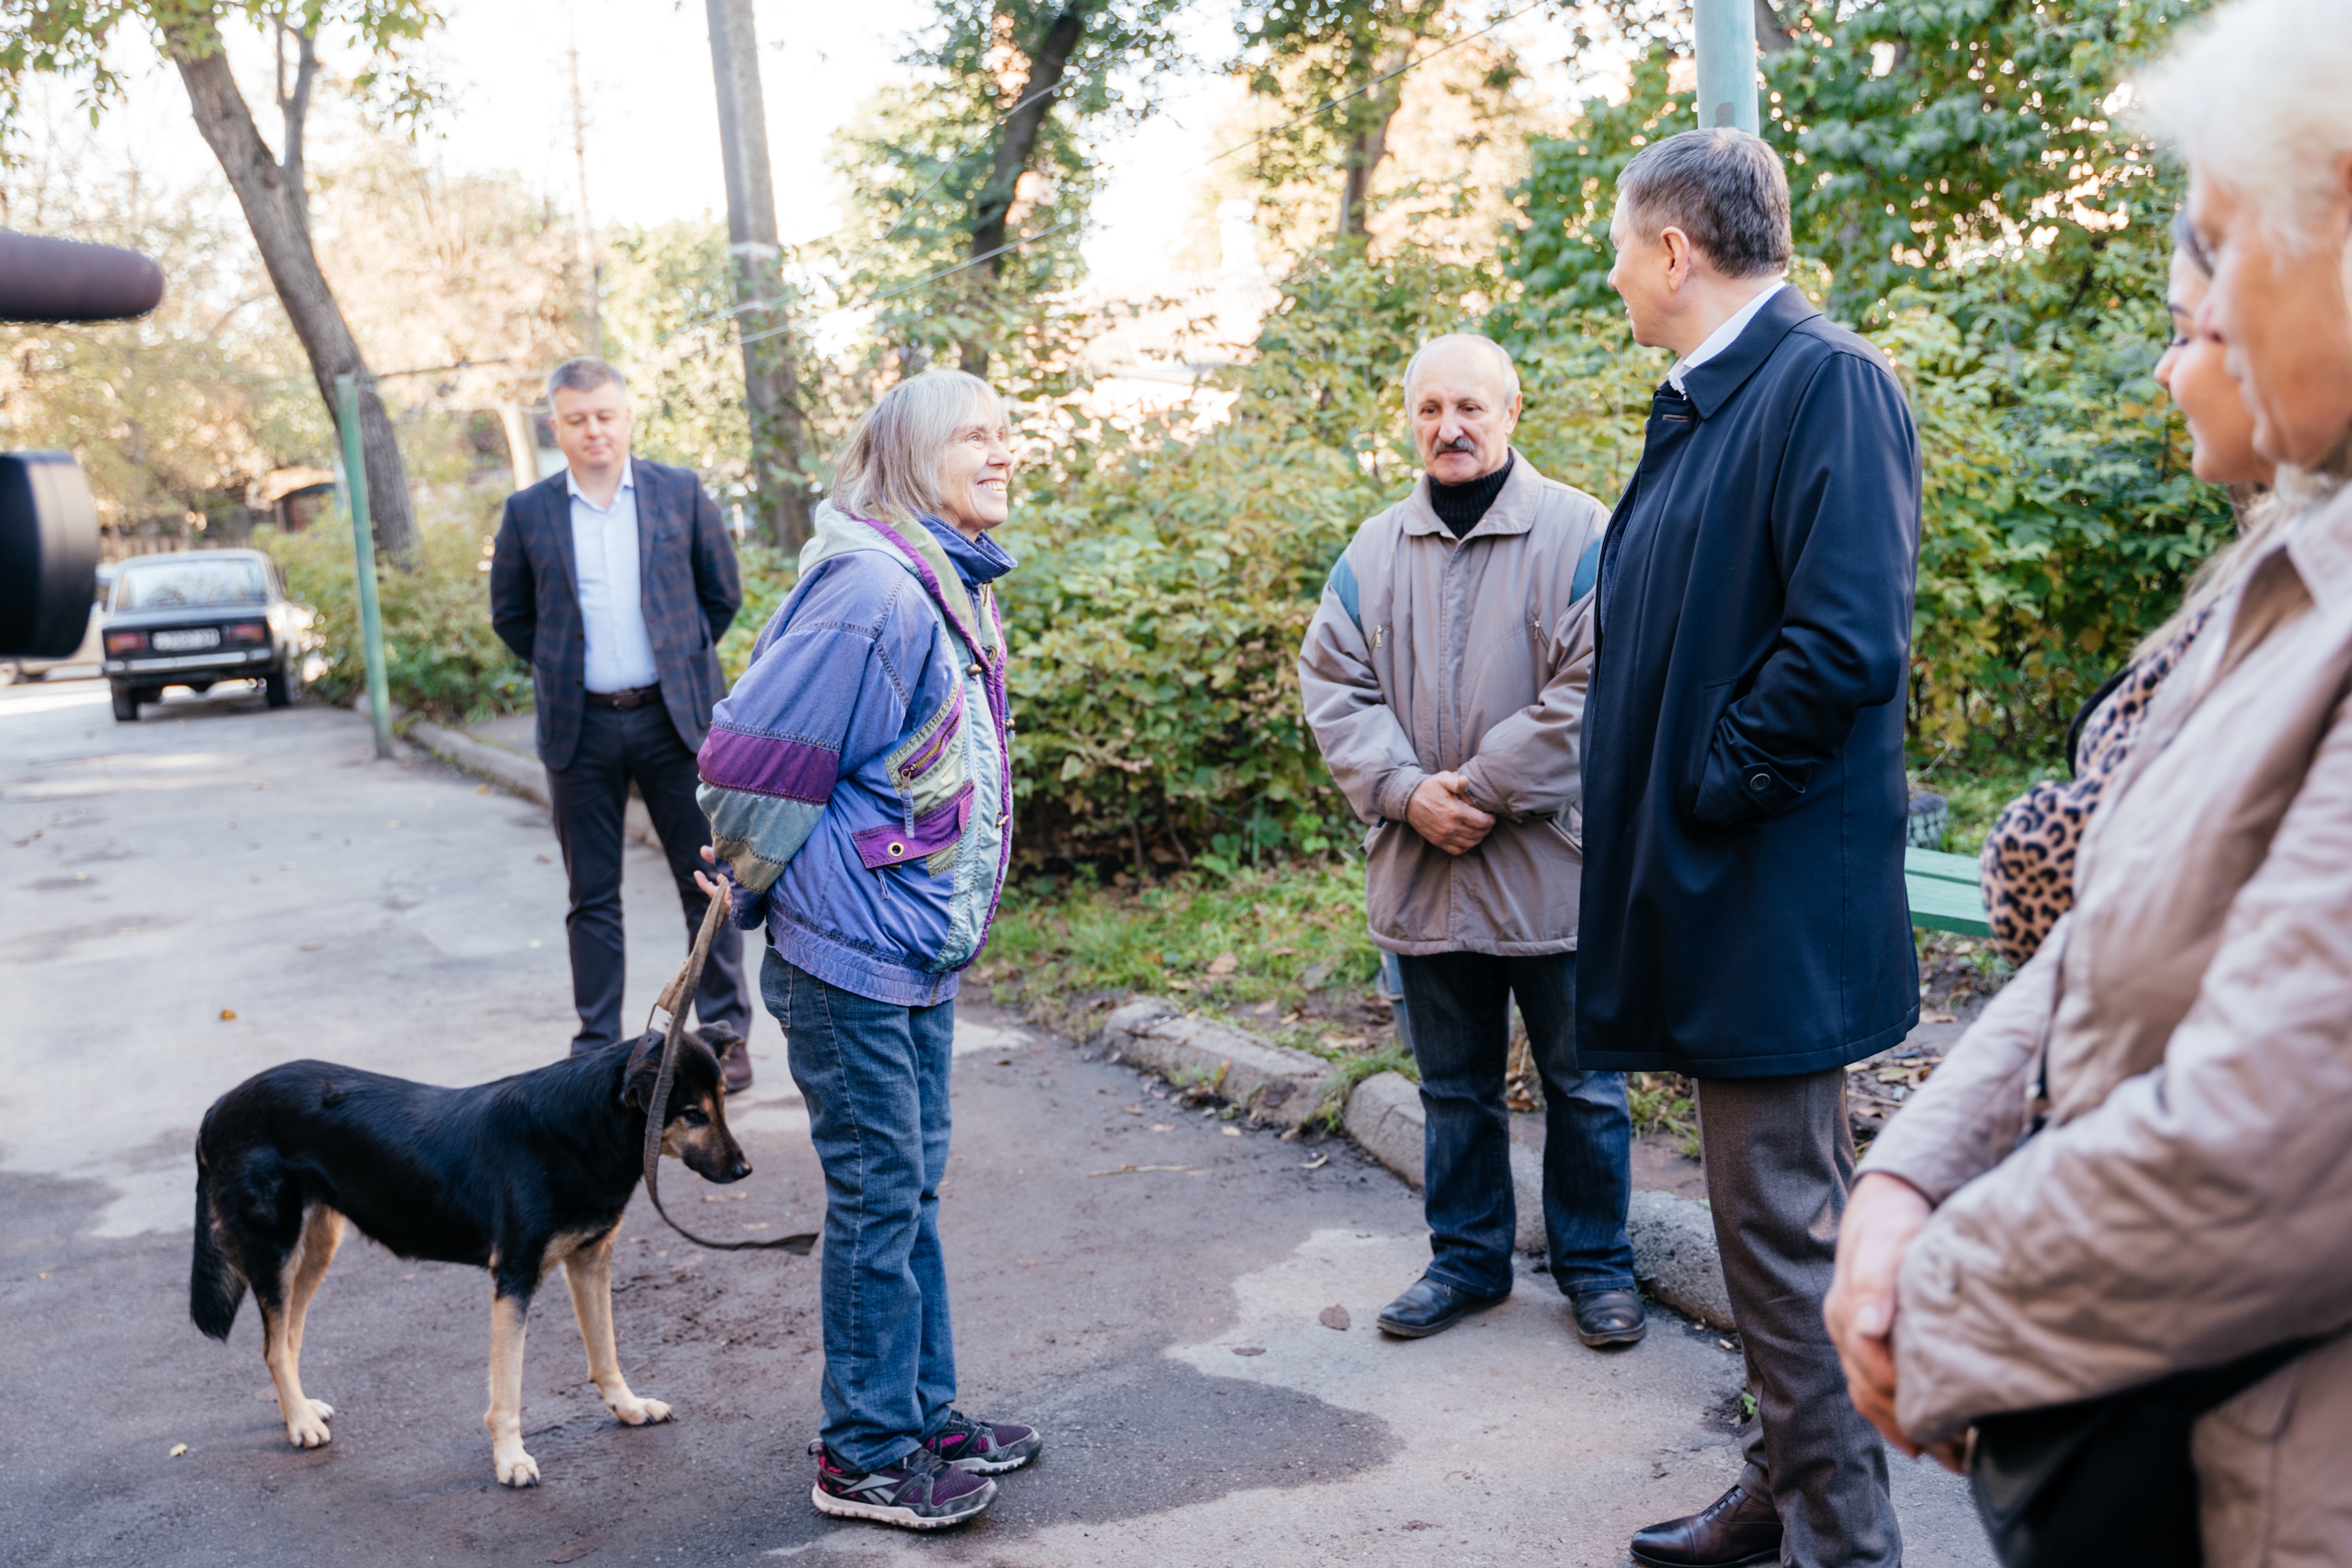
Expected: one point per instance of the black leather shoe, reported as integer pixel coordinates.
(1432, 1307)
(1610, 1318)
(1735, 1530)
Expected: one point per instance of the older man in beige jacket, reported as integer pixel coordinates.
(1444, 677)
(2184, 1037)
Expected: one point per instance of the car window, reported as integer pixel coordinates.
(189, 581)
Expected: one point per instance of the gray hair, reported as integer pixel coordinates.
(2257, 97)
(585, 373)
(888, 468)
(1723, 187)
(1502, 358)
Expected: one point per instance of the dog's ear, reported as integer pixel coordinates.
(644, 1067)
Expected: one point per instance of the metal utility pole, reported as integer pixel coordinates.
(1724, 36)
(590, 273)
(771, 389)
(347, 412)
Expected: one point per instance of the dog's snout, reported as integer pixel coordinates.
(739, 1170)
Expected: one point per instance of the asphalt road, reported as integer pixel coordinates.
(1163, 1324)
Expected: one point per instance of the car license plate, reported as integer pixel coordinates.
(183, 642)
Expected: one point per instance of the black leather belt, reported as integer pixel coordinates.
(635, 696)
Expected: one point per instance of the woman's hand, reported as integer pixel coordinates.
(1882, 1218)
(717, 890)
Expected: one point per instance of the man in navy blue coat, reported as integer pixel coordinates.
(614, 581)
(1743, 917)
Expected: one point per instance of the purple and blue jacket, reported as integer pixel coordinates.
(859, 778)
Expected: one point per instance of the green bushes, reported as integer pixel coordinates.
(441, 658)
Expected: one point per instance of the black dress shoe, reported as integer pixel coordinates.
(1432, 1307)
(1610, 1318)
(1735, 1530)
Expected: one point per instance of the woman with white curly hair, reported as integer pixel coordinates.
(2103, 1258)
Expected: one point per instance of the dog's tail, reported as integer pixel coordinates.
(215, 1289)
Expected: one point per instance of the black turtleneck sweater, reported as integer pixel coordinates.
(1459, 506)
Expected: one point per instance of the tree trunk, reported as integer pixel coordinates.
(1367, 147)
(771, 381)
(1771, 36)
(1016, 144)
(273, 211)
(522, 443)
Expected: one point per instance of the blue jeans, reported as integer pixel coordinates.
(875, 1078)
(1457, 1006)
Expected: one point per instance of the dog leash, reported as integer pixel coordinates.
(675, 997)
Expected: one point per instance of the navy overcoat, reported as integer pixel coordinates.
(1743, 912)
(688, 583)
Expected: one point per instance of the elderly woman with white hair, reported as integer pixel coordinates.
(2103, 1258)
(858, 782)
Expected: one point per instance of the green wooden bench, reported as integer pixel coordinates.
(1943, 892)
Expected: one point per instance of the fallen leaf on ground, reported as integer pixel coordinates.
(1317, 1163)
(1225, 964)
(1249, 1349)
(1937, 1018)
(178, 1449)
(1231, 1131)
(1333, 1318)
(1343, 1042)
(574, 1550)
(228, 1014)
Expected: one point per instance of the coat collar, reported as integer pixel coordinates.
(1513, 511)
(1711, 384)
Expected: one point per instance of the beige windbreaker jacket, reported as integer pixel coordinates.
(2190, 1199)
(1428, 654)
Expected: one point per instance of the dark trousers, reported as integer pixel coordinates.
(590, 798)
(1457, 1006)
(1779, 1163)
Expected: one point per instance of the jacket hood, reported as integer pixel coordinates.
(839, 531)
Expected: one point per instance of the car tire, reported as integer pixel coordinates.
(126, 705)
(281, 686)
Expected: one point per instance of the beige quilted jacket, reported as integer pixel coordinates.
(2190, 1200)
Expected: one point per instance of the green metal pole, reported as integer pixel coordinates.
(347, 404)
(1724, 37)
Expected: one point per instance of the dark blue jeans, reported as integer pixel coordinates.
(1458, 1006)
(875, 1078)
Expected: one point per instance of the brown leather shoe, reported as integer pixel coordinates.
(1737, 1529)
(734, 1054)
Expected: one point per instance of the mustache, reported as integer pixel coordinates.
(1459, 443)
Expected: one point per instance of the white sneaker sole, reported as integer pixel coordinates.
(904, 1518)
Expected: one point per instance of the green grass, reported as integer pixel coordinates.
(1978, 789)
(1282, 936)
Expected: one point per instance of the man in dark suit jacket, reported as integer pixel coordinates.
(1743, 918)
(615, 580)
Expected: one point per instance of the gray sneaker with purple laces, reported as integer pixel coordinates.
(984, 1447)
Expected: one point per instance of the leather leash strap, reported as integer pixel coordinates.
(674, 999)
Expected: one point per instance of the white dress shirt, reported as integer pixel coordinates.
(1723, 336)
(612, 608)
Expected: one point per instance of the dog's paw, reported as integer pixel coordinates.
(516, 1470)
(322, 1409)
(635, 1412)
(308, 1429)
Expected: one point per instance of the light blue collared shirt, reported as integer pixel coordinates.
(612, 605)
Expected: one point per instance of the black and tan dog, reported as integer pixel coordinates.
(513, 1176)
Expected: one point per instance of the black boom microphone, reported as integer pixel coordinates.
(49, 528)
(64, 280)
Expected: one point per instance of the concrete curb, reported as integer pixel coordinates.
(1674, 1253)
(1271, 1082)
(524, 775)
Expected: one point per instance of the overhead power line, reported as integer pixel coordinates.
(802, 324)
